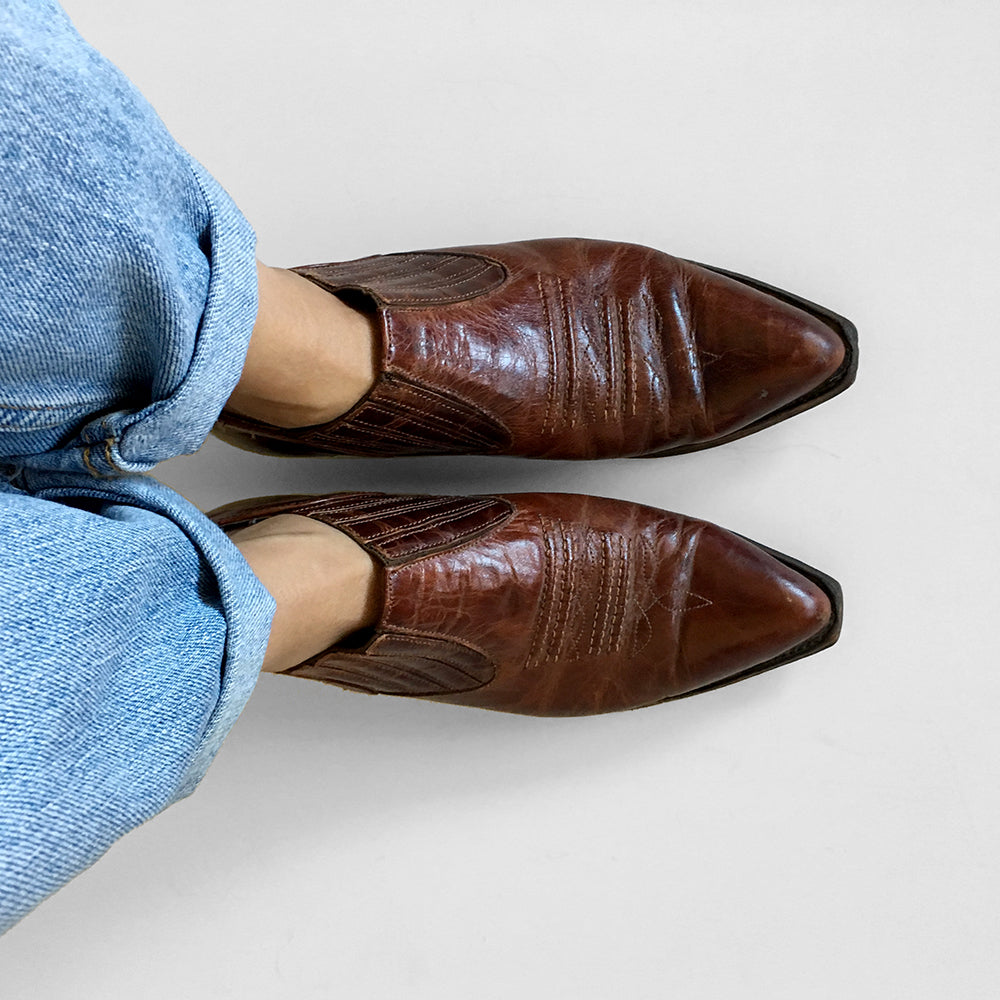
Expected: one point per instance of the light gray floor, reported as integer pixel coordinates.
(825, 831)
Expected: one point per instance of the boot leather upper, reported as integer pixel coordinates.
(556, 604)
(564, 348)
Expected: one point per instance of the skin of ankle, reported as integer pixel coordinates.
(324, 584)
(311, 357)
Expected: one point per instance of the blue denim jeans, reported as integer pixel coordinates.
(132, 628)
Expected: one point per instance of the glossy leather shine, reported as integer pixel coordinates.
(559, 604)
(567, 348)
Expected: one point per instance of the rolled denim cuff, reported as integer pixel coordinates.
(180, 423)
(246, 604)
(131, 441)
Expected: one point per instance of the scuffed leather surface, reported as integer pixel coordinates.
(572, 605)
(565, 348)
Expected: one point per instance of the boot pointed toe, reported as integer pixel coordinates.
(760, 355)
(757, 612)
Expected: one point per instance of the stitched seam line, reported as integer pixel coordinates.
(632, 374)
(435, 520)
(459, 538)
(603, 603)
(540, 636)
(462, 407)
(571, 360)
(613, 360)
(444, 280)
(554, 370)
(421, 422)
(354, 515)
(403, 671)
(373, 432)
(337, 667)
(385, 403)
(558, 634)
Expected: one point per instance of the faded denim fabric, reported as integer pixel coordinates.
(133, 630)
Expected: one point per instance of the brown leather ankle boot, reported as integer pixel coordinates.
(559, 604)
(568, 348)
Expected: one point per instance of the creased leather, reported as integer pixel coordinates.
(555, 604)
(564, 348)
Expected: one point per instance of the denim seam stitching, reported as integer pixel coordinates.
(53, 406)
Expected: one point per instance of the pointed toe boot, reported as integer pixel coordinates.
(559, 604)
(570, 349)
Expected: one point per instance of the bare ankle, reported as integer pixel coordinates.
(324, 584)
(311, 356)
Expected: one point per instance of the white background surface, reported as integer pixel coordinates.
(828, 830)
